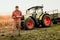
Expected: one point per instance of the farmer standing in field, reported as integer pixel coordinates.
(16, 15)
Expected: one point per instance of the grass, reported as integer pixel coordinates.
(50, 33)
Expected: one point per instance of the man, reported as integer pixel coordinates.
(16, 15)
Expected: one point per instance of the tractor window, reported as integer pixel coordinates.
(39, 11)
(31, 11)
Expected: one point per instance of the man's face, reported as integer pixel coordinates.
(17, 8)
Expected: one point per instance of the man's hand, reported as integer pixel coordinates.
(13, 17)
(18, 16)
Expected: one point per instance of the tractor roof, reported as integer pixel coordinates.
(36, 7)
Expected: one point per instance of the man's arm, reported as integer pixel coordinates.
(13, 16)
(18, 16)
(20, 13)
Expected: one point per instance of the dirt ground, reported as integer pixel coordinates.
(50, 33)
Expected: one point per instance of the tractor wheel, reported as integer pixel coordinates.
(29, 23)
(46, 21)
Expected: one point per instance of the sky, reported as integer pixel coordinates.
(8, 6)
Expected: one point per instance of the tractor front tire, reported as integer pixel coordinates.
(29, 23)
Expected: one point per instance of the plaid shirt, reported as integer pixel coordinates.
(16, 13)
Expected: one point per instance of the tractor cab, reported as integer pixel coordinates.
(36, 11)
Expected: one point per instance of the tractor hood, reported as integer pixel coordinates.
(27, 15)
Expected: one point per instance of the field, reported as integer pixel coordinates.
(9, 32)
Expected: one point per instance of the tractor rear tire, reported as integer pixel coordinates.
(46, 21)
(29, 23)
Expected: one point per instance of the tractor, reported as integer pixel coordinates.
(35, 17)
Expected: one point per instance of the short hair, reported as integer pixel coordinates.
(17, 7)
